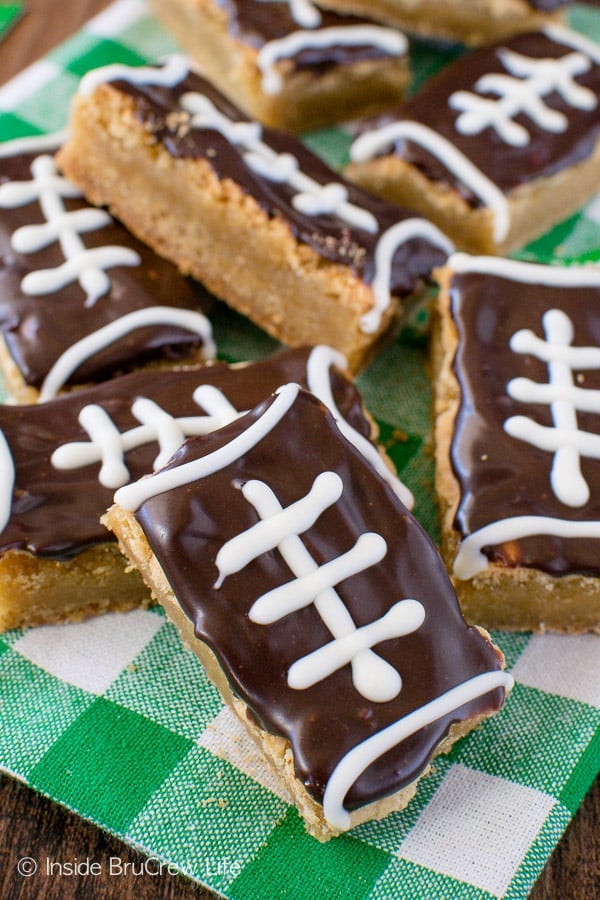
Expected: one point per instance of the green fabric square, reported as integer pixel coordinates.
(9, 13)
(399, 446)
(108, 762)
(237, 338)
(332, 145)
(168, 685)
(387, 834)
(537, 856)
(405, 880)
(35, 710)
(296, 866)
(85, 52)
(12, 126)
(3, 647)
(583, 775)
(512, 644)
(208, 816)
(535, 740)
(48, 109)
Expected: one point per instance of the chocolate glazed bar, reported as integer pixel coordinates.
(318, 604)
(499, 146)
(468, 21)
(518, 441)
(288, 64)
(68, 271)
(251, 212)
(61, 461)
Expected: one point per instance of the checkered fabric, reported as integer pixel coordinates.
(115, 719)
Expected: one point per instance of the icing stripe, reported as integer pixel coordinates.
(573, 39)
(174, 70)
(391, 42)
(565, 400)
(529, 273)
(319, 383)
(357, 760)
(523, 91)
(72, 358)
(7, 471)
(470, 561)
(373, 677)
(37, 143)
(371, 143)
(131, 496)
(387, 245)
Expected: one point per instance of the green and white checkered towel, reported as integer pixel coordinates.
(115, 719)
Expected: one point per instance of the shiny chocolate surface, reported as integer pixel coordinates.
(507, 166)
(255, 22)
(188, 525)
(501, 476)
(326, 233)
(55, 513)
(38, 329)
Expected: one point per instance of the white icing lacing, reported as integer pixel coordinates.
(470, 561)
(108, 445)
(92, 343)
(389, 242)
(7, 471)
(371, 143)
(303, 12)
(563, 438)
(522, 91)
(87, 266)
(312, 198)
(131, 496)
(357, 760)
(528, 273)
(319, 383)
(280, 528)
(37, 143)
(174, 70)
(385, 39)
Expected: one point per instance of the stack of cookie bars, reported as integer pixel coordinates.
(253, 501)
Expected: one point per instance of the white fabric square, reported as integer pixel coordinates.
(564, 665)
(227, 738)
(477, 828)
(90, 654)
(24, 85)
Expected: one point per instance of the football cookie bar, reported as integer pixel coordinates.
(468, 21)
(497, 148)
(69, 272)
(518, 441)
(317, 604)
(251, 212)
(61, 461)
(289, 64)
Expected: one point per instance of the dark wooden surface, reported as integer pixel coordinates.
(32, 826)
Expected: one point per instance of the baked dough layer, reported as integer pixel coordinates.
(310, 97)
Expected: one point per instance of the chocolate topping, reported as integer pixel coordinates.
(256, 23)
(328, 235)
(505, 165)
(38, 329)
(501, 476)
(187, 526)
(55, 513)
